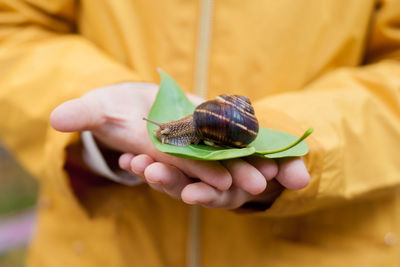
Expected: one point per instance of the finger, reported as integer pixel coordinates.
(124, 161)
(171, 180)
(77, 115)
(139, 163)
(245, 176)
(212, 173)
(268, 167)
(205, 195)
(293, 173)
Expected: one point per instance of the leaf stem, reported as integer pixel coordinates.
(307, 133)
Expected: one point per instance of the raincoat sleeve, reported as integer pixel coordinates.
(42, 64)
(355, 111)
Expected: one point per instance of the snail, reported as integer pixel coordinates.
(228, 120)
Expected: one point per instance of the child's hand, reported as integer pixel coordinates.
(114, 115)
(252, 180)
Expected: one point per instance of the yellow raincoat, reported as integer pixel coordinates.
(332, 64)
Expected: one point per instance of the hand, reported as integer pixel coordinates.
(114, 115)
(249, 180)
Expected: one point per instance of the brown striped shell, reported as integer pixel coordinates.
(228, 120)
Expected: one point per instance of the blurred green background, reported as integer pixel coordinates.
(18, 194)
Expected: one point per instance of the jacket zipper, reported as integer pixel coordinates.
(203, 47)
(200, 89)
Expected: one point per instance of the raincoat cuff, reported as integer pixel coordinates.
(96, 161)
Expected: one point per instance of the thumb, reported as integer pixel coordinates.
(77, 115)
(293, 173)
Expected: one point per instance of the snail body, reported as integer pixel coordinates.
(228, 120)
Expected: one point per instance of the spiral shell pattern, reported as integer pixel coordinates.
(228, 120)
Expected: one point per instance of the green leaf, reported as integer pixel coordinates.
(171, 104)
(275, 144)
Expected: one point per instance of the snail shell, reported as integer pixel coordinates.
(228, 120)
